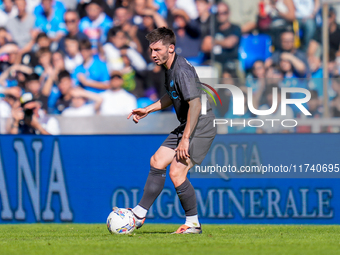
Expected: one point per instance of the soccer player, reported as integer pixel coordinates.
(189, 143)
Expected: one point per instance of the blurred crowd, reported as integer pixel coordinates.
(87, 57)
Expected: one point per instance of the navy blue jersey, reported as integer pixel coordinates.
(182, 85)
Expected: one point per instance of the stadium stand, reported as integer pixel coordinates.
(252, 48)
(219, 38)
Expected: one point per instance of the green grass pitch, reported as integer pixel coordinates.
(25, 239)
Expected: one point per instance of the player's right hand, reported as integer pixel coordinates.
(138, 114)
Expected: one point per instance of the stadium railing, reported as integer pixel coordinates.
(164, 123)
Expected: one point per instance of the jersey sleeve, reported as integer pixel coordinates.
(187, 84)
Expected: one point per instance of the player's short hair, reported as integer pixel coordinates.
(163, 34)
(100, 3)
(63, 74)
(85, 44)
(72, 11)
(41, 35)
(288, 30)
(59, 52)
(225, 4)
(33, 77)
(122, 8)
(115, 30)
(258, 60)
(42, 51)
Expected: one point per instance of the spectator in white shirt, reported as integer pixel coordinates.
(79, 106)
(9, 11)
(5, 109)
(305, 11)
(117, 39)
(189, 7)
(12, 96)
(73, 57)
(117, 101)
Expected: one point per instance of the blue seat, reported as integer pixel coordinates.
(252, 48)
(198, 60)
(144, 102)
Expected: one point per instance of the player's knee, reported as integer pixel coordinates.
(173, 175)
(153, 161)
(176, 176)
(156, 162)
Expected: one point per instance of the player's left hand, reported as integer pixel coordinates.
(182, 150)
(138, 114)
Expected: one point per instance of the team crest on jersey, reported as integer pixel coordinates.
(172, 94)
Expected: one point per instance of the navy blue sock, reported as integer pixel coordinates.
(187, 196)
(153, 187)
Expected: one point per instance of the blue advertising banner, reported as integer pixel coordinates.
(80, 178)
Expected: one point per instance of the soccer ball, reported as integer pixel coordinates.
(120, 221)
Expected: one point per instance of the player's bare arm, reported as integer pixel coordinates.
(192, 119)
(141, 113)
